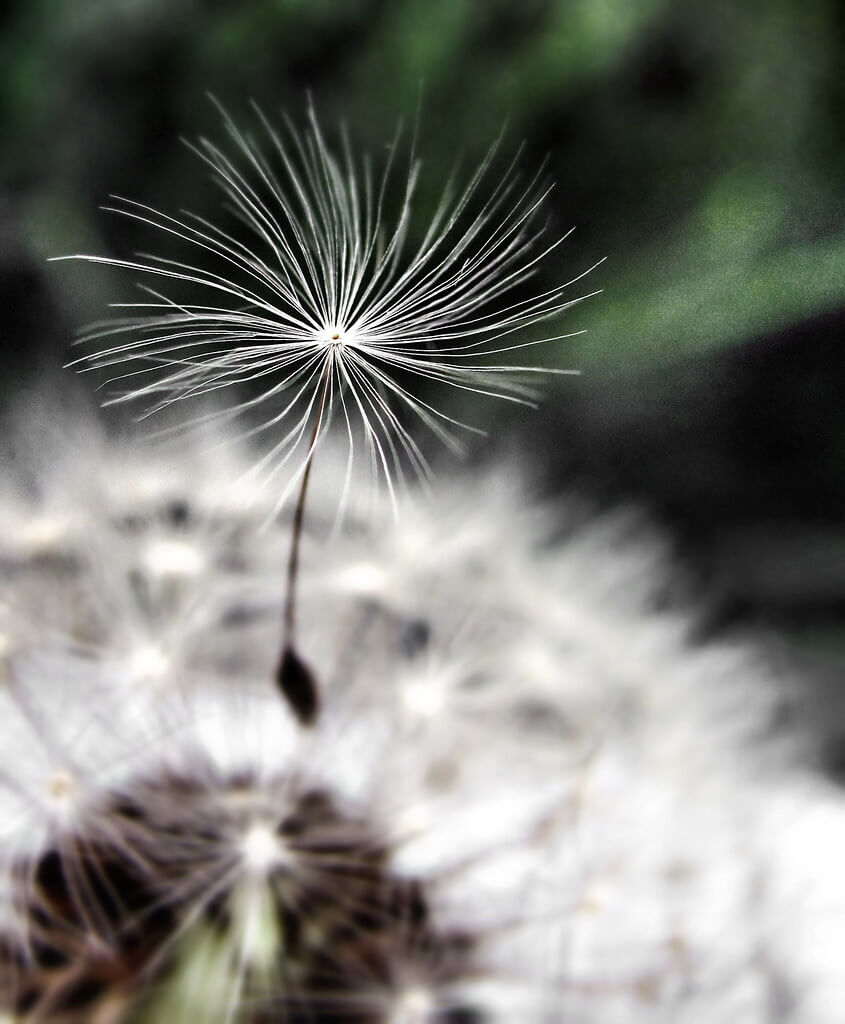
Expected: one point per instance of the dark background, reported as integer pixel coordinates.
(698, 146)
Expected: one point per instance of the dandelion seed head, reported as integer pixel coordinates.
(528, 798)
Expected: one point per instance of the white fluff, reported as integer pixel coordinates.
(572, 779)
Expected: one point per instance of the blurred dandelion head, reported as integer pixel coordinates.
(530, 794)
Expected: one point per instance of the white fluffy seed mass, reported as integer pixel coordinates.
(529, 796)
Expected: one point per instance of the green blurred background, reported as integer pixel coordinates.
(700, 147)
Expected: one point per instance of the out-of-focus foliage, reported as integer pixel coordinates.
(699, 146)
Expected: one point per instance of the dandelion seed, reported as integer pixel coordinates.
(44, 535)
(325, 311)
(165, 558)
(261, 848)
(60, 786)
(148, 664)
(413, 1006)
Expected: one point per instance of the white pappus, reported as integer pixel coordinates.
(330, 304)
(529, 794)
